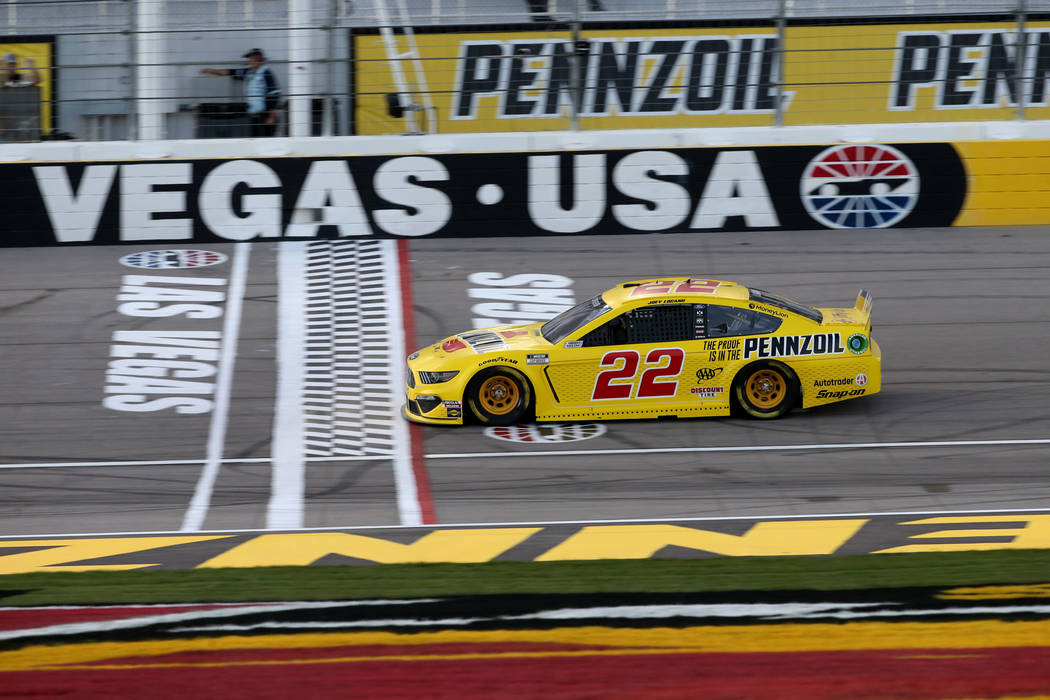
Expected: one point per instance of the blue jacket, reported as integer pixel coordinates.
(260, 88)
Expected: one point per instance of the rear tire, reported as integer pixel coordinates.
(499, 396)
(766, 390)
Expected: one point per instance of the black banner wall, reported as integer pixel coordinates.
(852, 186)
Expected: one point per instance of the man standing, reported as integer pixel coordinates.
(260, 91)
(10, 76)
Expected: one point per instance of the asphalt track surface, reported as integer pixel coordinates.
(962, 423)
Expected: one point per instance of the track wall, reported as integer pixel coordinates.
(558, 183)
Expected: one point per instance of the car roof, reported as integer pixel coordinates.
(715, 290)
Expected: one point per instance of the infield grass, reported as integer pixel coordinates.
(609, 576)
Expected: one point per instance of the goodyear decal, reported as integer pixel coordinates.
(562, 542)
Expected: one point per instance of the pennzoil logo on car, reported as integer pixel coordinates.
(794, 345)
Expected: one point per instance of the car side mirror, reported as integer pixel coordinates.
(721, 328)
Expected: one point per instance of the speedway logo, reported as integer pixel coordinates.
(860, 187)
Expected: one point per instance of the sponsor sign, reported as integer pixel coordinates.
(584, 192)
(881, 71)
(35, 56)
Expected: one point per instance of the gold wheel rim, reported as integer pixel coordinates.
(766, 388)
(498, 395)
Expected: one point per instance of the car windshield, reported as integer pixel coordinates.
(563, 324)
(786, 304)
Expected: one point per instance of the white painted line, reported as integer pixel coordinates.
(1020, 512)
(199, 504)
(549, 453)
(288, 473)
(409, 510)
(741, 448)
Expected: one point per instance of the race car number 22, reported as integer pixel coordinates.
(658, 379)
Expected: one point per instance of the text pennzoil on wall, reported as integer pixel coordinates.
(679, 77)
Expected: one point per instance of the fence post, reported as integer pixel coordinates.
(575, 76)
(1020, 54)
(778, 69)
(300, 62)
(130, 27)
(150, 85)
(328, 103)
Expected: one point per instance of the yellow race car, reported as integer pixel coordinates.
(660, 348)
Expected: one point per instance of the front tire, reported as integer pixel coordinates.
(499, 396)
(766, 390)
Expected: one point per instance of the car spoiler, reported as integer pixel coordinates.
(863, 304)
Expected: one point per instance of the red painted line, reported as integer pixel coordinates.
(902, 674)
(415, 433)
(35, 618)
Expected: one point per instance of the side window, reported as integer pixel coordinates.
(724, 321)
(673, 323)
(612, 332)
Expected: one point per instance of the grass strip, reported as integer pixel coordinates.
(606, 576)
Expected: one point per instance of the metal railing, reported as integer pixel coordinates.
(132, 69)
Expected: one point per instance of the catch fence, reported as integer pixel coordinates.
(132, 69)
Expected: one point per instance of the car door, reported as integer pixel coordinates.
(634, 363)
(722, 351)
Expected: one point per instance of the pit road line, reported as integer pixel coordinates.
(552, 453)
(201, 501)
(466, 455)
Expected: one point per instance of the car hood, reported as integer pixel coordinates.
(485, 340)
